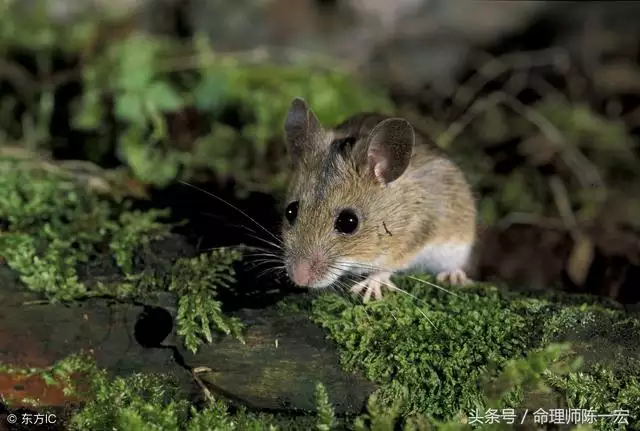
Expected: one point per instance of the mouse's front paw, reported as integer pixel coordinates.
(372, 285)
(456, 278)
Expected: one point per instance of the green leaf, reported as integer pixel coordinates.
(148, 162)
(136, 57)
(163, 97)
(130, 107)
(212, 90)
(89, 113)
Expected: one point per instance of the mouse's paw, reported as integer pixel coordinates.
(456, 278)
(372, 286)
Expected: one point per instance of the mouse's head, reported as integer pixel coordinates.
(332, 213)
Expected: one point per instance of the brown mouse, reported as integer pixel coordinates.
(372, 196)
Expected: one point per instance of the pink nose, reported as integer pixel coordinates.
(301, 273)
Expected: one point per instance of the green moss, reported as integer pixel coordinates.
(196, 281)
(518, 374)
(136, 229)
(437, 347)
(145, 401)
(153, 402)
(58, 374)
(604, 391)
(610, 380)
(326, 415)
(444, 355)
(55, 225)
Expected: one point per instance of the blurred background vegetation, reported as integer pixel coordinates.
(538, 102)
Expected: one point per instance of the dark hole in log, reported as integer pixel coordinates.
(153, 325)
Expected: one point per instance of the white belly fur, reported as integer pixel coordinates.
(432, 259)
(435, 259)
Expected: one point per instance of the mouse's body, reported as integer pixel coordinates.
(371, 196)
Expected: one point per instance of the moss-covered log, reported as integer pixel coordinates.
(284, 358)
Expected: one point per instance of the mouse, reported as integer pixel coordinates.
(372, 197)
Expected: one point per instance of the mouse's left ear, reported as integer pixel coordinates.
(301, 129)
(389, 148)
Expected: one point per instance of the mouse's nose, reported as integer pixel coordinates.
(301, 273)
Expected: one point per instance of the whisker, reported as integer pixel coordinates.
(345, 290)
(232, 206)
(432, 284)
(264, 262)
(266, 241)
(248, 250)
(264, 254)
(396, 288)
(266, 258)
(366, 308)
(222, 247)
(381, 269)
(253, 231)
(269, 270)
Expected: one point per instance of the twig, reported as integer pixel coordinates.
(93, 175)
(499, 65)
(586, 173)
(543, 87)
(458, 126)
(561, 198)
(259, 55)
(199, 370)
(19, 77)
(582, 168)
(530, 219)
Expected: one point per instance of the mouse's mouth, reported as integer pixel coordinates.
(330, 278)
(331, 275)
(312, 277)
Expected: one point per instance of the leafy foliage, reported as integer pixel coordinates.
(142, 81)
(263, 93)
(510, 152)
(196, 281)
(326, 416)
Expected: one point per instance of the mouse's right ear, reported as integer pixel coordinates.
(301, 129)
(389, 149)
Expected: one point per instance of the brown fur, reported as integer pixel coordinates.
(430, 203)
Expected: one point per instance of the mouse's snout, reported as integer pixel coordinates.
(309, 270)
(301, 273)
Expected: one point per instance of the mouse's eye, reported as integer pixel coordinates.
(291, 212)
(346, 222)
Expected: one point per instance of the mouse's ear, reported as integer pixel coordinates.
(301, 128)
(389, 148)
